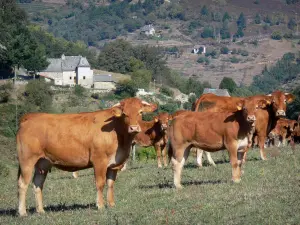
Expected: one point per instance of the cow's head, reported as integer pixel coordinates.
(163, 120)
(131, 110)
(279, 100)
(249, 106)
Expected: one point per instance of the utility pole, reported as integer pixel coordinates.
(296, 24)
(16, 93)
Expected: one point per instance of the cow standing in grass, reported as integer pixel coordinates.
(213, 132)
(266, 118)
(101, 140)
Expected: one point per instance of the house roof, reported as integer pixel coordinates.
(219, 92)
(103, 78)
(66, 63)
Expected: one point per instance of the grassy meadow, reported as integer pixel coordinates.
(268, 194)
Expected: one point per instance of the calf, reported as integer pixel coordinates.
(213, 132)
(154, 133)
(71, 142)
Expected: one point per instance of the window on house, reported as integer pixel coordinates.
(84, 77)
(70, 78)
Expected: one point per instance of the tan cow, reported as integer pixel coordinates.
(283, 132)
(154, 133)
(266, 118)
(213, 132)
(199, 152)
(72, 142)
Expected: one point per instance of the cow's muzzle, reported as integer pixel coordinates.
(280, 113)
(134, 129)
(251, 119)
(164, 126)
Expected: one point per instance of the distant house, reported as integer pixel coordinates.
(197, 48)
(68, 71)
(104, 83)
(219, 92)
(148, 30)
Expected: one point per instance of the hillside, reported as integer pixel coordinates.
(181, 24)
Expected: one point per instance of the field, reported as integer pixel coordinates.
(268, 194)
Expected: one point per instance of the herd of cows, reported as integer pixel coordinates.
(102, 140)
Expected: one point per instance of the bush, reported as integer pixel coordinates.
(5, 91)
(244, 53)
(166, 91)
(276, 35)
(203, 60)
(234, 59)
(224, 50)
(234, 51)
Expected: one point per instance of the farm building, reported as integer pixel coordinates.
(69, 70)
(219, 92)
(148, 30)
(104, 83)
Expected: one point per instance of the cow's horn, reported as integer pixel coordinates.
(286, 93)
(269, 95)
(118, 104)
(145, 103)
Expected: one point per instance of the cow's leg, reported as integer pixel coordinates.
(158, 155)
(209, 158)
(124, 167)
(178, 160)
(164, 153)
(283, 142)
(261, 143)
(111, 176)
(236, 172)
(75, 174)
(41, 169)
(100, 170)
(199, 157)
(240, 160)
(25, 173)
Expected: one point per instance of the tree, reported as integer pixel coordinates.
(204, 11)
(241, 22)
(276, 35)
(226, 16)
(126, 89)
(257, 19)
(228, 83)
(224, 50)
(141, 78)
(292, 24)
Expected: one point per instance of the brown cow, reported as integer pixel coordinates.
(213, 132)
(154, 133)
(266, 118)
(283, 131)
(72, 142)
(199, 152)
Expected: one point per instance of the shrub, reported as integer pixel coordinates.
(276, 35)
(5, 91)
(234, 59)
(224, 50)
(244, 53)
(166, 91)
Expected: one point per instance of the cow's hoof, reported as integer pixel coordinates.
(159, 166)
(22, 214)
(242, 172)
(41, 211)
(179, 187)
(236, 181)
(112, 204)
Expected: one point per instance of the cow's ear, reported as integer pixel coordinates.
(263, 103)
(147, 107)
(117, 112)
(239, 105)
(156, 119)
(289, 97)
(170, 117)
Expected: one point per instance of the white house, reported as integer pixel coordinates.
(197, 47)
(69, 70)
(148, 30)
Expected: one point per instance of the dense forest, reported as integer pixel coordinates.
(92, 22)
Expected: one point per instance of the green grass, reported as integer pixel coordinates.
(268, 194)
